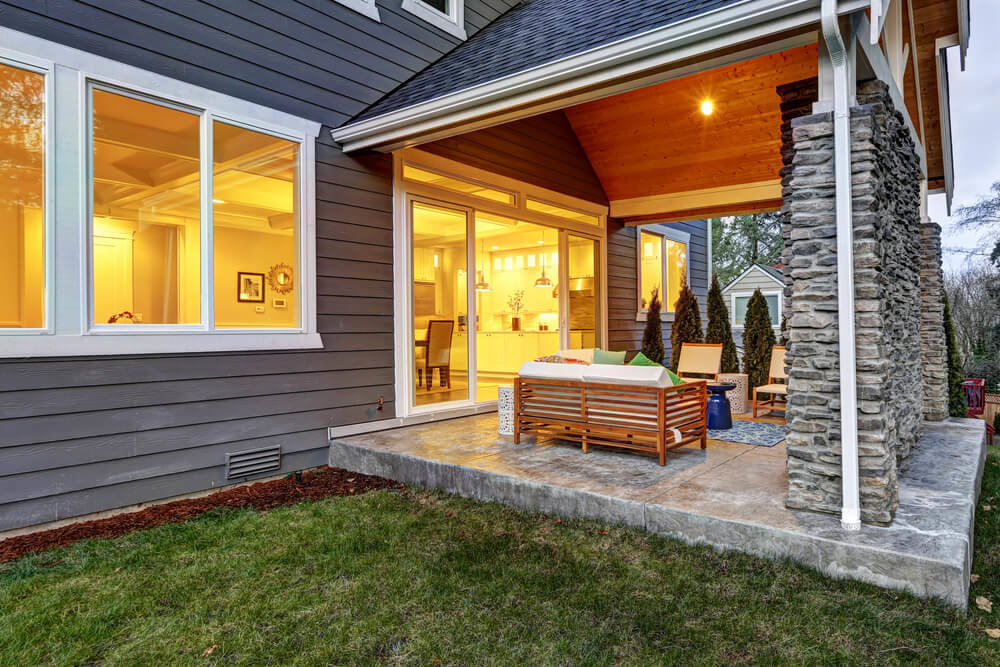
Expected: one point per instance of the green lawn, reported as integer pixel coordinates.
(419, 577)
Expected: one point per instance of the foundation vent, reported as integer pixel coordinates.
(253, 462)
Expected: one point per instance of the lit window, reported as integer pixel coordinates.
(562, 212)
(663, 266)
(519, 262)
(255, 228)
(22, 198)
(457, 185)
(147, 212)
(497, 264)
(508, 263)
(531, 261)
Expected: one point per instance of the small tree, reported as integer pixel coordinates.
(652, 335)
(719, 329)
(956, 396)
(996, 422)
(687, 323)
(758, 339)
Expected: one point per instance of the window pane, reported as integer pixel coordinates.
(22, 198)
(440, 304)
(457, 185)
(147, 212)
(676, 272)
(741, 309)
(561, 212)
(440, 5)
(255, 229)
(772, 307)
(584, 314)
(651, 267)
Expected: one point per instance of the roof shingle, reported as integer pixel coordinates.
(535, 33)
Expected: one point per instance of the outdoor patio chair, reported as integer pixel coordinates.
(775, 389)
(975, 397)
(435, 352)
(700, 359)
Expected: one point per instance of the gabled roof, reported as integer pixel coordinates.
(535, 33)
(770, 271)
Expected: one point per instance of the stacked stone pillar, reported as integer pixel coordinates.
(934, 354)
(887, 259)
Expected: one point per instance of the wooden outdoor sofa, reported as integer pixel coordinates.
(633, 407)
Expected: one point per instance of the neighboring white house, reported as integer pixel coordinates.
(770, 281)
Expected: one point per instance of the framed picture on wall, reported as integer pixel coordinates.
(249, 287)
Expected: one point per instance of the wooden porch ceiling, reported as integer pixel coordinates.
(655, 141)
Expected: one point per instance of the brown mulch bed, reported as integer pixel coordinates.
(316, 484)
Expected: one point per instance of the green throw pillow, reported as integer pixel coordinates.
(609, 357)
(642, 360)
(676, 379)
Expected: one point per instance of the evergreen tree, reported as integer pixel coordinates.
(758, 339)
(687, 323)
(719, 329)
(652, 335)
(956, 395)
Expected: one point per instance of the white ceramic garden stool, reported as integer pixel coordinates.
(505, 410)
(738, 403)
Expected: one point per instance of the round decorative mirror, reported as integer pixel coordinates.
(281, 278)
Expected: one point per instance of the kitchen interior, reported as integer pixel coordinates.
(516, 285)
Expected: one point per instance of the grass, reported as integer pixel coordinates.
(422, 576)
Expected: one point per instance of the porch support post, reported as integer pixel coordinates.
(842, 58)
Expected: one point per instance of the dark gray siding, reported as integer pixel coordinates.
(542, 150)
(86, 434)
(624, 332)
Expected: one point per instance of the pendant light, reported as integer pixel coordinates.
(482, 285)
(543, 281)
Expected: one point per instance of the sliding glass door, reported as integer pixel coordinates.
(488, 293)
(439, 303)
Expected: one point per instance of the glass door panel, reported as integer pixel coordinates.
(516, 298)
(583, 307)
(439, 297)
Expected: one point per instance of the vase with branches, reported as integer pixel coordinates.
(516, 304)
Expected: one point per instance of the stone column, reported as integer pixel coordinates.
(886, 196)
(933, 351)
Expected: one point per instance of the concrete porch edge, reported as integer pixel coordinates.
(930, 561)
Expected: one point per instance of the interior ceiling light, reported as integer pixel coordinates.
(482, 285)
(218, 201)
(707, 108)
(543, 281)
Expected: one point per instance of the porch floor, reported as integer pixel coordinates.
(730, 495)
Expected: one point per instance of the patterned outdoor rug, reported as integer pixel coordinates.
(764, 434)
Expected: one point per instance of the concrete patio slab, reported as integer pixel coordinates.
(729, 496)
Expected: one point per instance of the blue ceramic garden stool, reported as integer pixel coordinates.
(719, 416)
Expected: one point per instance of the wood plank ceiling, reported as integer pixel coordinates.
(656, 140)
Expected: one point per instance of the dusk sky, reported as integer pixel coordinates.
(975, 110)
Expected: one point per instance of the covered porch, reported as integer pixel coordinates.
(729, 495)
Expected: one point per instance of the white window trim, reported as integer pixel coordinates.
(68, 326)
(366, 7)
(676, 235)
(452, 23)
(732, 307)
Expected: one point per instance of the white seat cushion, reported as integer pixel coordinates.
(586, 354)
(541, 370)
(773, 389)
(643, 376)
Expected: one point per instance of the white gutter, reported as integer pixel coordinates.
(850, 517)
(741, 22)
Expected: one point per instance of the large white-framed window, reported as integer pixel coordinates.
(738, 302)
(662, 265)
(183, 220)
(366, 7)
(448, 15)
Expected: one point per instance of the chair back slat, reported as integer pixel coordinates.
(777, 370)
(700, 358)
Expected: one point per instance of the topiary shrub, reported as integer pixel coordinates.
(652, 335)
(758, 339)
(687, 323)
(996, 422)
(956, 395)
(719, 329)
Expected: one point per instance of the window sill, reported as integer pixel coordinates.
(453, 25)
(664, 317)
(47, 345)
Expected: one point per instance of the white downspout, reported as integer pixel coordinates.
(850, 516)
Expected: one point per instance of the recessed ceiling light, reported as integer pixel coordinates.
(707, 108)
(218, 201)
(495, 247)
